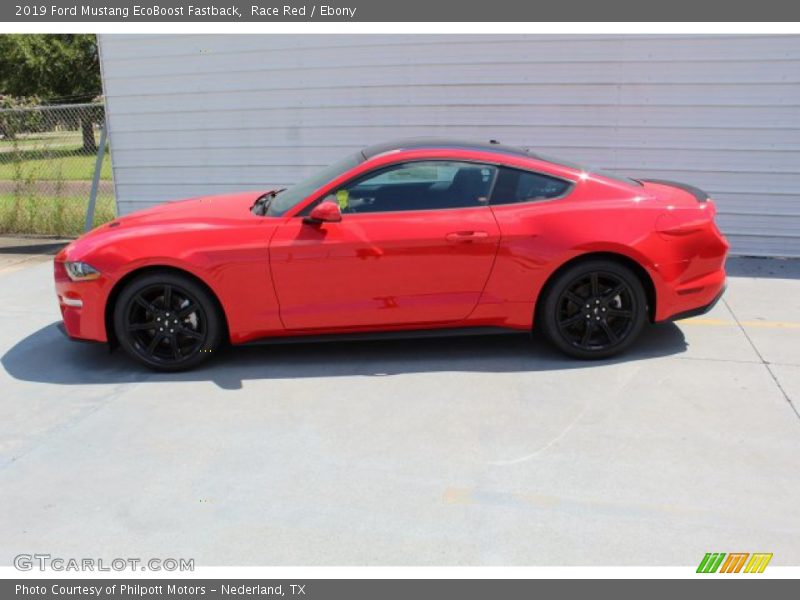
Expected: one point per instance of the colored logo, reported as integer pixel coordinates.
(714, 562)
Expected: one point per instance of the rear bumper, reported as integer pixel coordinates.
(680, 297)
(700, 310)
(690, 277)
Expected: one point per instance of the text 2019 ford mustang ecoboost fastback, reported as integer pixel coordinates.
(413, 237)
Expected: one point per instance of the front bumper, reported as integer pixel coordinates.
(82, 305)
(62, 328)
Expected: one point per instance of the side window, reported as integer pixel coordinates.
(428, 185)
(514, 186)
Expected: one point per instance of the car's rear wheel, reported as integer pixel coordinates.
(167, 321)
(594, 309)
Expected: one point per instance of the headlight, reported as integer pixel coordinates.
(81, 271)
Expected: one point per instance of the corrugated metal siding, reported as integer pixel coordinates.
(195, 114)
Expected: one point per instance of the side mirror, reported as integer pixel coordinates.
(324, 212)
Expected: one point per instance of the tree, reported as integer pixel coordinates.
(54, 67)
(12, 121)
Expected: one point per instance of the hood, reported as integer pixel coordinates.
(222, 206)
(205, 211)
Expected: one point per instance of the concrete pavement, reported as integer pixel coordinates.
(479, 451)
(17, 252)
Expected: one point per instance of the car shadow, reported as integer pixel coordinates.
(47, 357)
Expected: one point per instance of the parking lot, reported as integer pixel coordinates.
(480, 451)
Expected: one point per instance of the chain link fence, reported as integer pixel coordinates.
(48, 158)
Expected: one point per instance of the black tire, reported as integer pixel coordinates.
(594, 309)
(167, 321)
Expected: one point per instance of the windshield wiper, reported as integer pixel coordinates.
(261, 205)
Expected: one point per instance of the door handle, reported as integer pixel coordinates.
(466, 236)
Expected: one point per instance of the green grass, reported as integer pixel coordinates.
(51, 215)
(53, 163)
(39, 189)
(45, 139)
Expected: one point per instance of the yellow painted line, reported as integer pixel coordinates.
(454, 495)
(732, 323)
(473, 496)
(773, 324)
(720, 322)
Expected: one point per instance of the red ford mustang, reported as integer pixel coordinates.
(417, 237)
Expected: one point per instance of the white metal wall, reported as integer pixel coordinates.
(199, 114)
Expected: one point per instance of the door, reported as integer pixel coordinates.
(415, 246)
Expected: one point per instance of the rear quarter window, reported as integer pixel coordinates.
(515, 186)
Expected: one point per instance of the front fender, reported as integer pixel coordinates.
(232, 260)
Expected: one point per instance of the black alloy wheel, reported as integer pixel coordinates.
(593, 310)
(167, 321)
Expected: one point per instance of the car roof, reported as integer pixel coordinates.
(490, 146)
(444, 144)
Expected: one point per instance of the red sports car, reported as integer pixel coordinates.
(418, 237)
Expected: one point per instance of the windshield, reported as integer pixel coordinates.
(289, 198)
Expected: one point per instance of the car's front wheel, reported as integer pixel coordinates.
(167, 321)
(594, 309)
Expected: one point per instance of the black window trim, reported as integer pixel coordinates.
(567, 191)
(497, 164)
(380, 170)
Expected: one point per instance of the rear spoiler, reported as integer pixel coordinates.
(699, 194)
